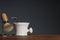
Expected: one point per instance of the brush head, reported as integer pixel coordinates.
(8, 27)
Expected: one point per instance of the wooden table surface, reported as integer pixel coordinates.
(33, 37)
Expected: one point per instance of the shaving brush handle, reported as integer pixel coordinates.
(4, 17)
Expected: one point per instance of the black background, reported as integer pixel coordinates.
(43, 15)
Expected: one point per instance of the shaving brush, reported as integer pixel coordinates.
(7, 27)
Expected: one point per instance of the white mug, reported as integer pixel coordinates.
(22, 28)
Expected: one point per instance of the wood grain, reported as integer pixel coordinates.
(4, 17)
(33, 37)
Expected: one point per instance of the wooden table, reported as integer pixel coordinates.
(33, 37)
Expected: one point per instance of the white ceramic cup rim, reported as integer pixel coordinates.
(21, 23)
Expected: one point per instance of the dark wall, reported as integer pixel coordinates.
(43, 15)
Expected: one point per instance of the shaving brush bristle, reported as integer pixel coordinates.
(8, 27)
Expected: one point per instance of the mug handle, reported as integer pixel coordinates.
(30, 30)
